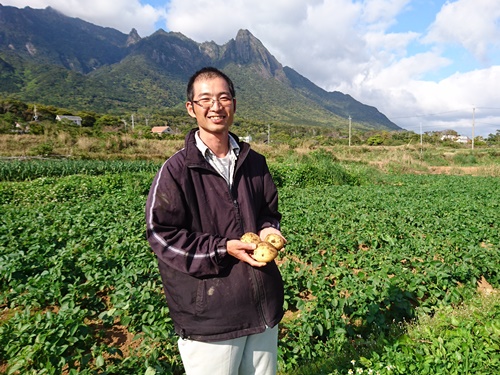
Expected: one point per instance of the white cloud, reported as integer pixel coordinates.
(219, 21)
(470, 23)
(447, 104)
(382, 13)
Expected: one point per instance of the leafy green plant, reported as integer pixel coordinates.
(458, 340)
(362, 260)
(22, 170)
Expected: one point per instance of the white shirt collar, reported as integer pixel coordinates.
(204, 148)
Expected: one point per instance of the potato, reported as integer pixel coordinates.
(250, 237)
(276, 240)
(265, 252)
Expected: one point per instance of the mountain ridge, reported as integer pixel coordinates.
(53, 59)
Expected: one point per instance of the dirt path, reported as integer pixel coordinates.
(474, 171)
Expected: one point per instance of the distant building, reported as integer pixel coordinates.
(21, 128)
(77, 120)
(246, 139)
(455, 138)
(161, 130)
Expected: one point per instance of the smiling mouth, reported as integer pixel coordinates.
(217, 118)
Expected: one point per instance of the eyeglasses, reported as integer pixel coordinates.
(224, 101)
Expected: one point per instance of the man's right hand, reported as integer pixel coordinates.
(242, 251)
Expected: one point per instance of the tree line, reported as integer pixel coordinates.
(19, 117)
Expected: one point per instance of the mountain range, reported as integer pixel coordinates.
(49, 58)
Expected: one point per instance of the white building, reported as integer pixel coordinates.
(77, 120)
(455, 138)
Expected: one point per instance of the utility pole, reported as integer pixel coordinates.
(421, 136)
(132, 117)
(268, 133)
(473, 124)
(350, 130)
(421, 140)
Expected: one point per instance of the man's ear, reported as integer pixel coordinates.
(234, 104)
(190, 109)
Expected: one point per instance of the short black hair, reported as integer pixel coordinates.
(208, 72)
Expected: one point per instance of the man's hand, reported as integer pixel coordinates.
(264, 232)
(242, 250)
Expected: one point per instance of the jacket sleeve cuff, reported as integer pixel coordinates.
(221, 252)
(269, 224)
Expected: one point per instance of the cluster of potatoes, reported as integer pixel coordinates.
(266, 250)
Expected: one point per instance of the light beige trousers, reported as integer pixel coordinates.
(248, 355)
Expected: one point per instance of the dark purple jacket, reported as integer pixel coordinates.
(190, 214)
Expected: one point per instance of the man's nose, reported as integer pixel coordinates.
(216, 102)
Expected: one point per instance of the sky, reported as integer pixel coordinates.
(428, 65)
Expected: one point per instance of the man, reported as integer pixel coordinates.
(225, 305)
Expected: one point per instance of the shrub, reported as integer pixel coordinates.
(43, 149)
(319, 169)
(465, 159)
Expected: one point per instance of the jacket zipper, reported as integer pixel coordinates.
(260, 295)
(253, 273)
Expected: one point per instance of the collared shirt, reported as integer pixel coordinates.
(225, 165)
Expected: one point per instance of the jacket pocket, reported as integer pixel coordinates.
(211, 293)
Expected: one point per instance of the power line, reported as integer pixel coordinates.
(442, 113)
(486, 123)
(429, 114)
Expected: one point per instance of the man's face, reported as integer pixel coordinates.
(219, 115)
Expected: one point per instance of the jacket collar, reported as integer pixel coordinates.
(195, 158)
(233, 145)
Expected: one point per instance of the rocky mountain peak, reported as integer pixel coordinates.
(133, 37)
(246, 49)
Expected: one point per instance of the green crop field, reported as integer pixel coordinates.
(366, 256)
